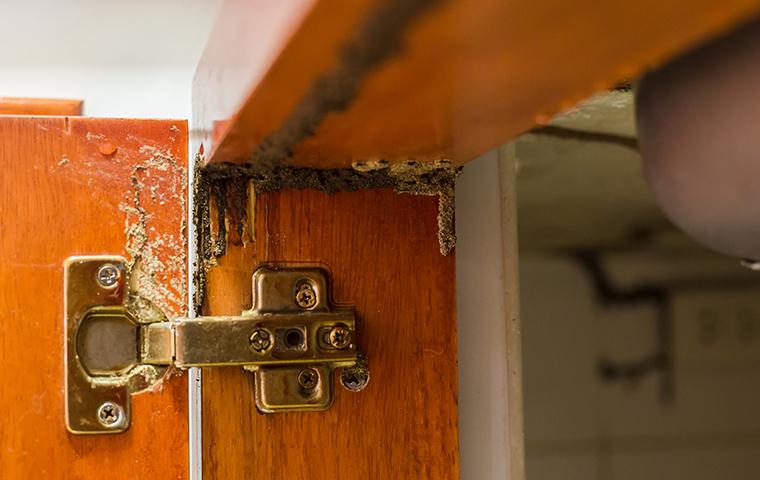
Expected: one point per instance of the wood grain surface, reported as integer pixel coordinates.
(382, 250)
(77, 186)
(330, 82)
(40, 106)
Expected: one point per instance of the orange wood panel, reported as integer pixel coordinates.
(356, 80)
(40, 106)
(382, 250)
(79, 186)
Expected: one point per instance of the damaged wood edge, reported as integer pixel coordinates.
(380, 37)
(144, 264)
(223, 192)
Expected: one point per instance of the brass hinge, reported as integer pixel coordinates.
(118, 343)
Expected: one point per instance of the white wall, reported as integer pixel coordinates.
(578, 427)
(126, 92)
(123, 58)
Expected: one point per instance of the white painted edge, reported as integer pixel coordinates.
(508, 165)
(194, 383)
(490, 393)
(195, 444)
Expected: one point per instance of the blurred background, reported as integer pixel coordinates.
(123, 58)
(641, 349)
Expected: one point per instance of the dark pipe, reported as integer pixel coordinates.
(609, 294)
(699, 133)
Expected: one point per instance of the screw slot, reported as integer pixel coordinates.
(108, 276)
(260, 340)
(340, 337)
(306, 297)
(308, 378)
(109, 414)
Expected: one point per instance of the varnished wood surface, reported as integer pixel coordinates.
(60, 195)
(432, 79)
(40, 106)
(382, 250)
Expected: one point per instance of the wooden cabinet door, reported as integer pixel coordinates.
(84, 186)
(382, 250)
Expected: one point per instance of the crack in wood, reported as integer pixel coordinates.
(378, 39)
(222, 206)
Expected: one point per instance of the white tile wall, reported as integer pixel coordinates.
(579, 427)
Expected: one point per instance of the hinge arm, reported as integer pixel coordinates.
(301, 339)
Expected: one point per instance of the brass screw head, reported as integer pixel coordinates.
(260, 340)
(308, 378)
(305, 296)
(108, 276)
(109, 414)
(340, 337)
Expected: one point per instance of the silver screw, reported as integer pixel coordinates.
(340, 337)
(305, 296)
(356, 377)
(753, 265)
(308, 378)
(260, 340)
(108, 275)
(109, 414)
